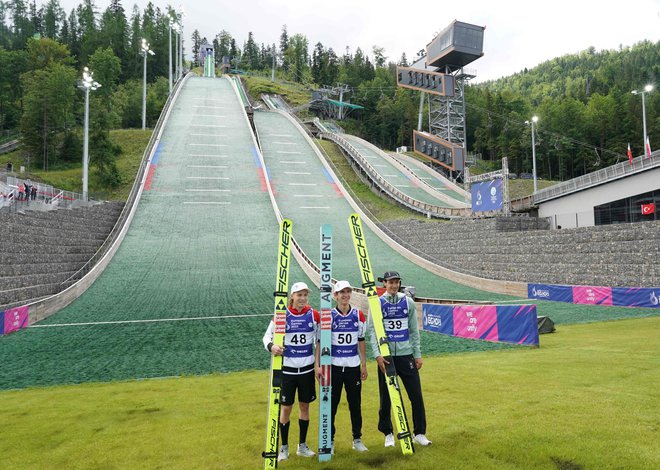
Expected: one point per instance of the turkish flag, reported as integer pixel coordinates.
(648, 209)
(630, 157)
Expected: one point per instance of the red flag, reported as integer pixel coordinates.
(629, 154)
(648, 147)
(648, 209)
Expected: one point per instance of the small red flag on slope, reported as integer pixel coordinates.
(648, 147)
(630, 157)
(648, 209)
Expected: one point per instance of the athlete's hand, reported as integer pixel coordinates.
(382, 363)
(418, 363)
(363, 372)
(318, 373)
(276, 350)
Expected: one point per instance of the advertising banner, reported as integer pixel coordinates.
(14, 319)
(487, 196)
(550, 292)
(636, 297)
(591, 295)
(509, 324)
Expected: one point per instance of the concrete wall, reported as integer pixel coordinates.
(577, 209)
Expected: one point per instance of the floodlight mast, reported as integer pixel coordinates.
(145, 51)
(647, 89)
(535, 119)
(86, 84)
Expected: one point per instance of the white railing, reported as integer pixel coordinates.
(414, 204)
(614, 172)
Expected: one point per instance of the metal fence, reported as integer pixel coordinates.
(428, 210)
(13, 193)
(614, 172)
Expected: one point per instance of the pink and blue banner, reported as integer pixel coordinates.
(516, 324)
(13, 319)
(593, 295)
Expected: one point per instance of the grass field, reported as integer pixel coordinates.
(132, 142)
(588, 398)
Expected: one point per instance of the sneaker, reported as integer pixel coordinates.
(389, 440)
(305, 451)
(357, 445)
(284, 453)
(421, 440)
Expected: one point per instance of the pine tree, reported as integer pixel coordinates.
(284, 45)
(52, 19)
(196, 42)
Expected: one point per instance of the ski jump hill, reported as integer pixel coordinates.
(189, 288)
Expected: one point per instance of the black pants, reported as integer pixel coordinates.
(349, 378)
(409, 375)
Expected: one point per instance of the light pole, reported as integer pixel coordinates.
(647, 89)
(180, 50)
(181, 14)
(145, 51)
(169, 45)
(535, 119)
(86, 84)
(175, 27)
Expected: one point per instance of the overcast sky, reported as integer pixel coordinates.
(518, 34)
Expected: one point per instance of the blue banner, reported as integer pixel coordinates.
(550, 292)
(636, 297)
(518, 324)
(2, 323)
(487, 196)
(590, 295)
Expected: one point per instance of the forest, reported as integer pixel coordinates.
(587, 113)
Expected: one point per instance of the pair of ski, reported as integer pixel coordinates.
(325, 410)
(281, 288)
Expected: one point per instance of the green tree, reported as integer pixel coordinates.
(103, 152)
(43, 52)
(12, 65)
(298, 58)
(223, 48)
(22, 27)
(114, 33)
(196, 42)
(284, 45)
(89, 39)
(53, 19)
(251, 53)
(49, 94)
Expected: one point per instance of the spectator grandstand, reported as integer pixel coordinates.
(40, 250)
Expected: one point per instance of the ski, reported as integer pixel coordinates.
(279, 320)
(325, 384)
(403, 431)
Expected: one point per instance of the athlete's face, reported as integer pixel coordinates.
(299, 299)
(343, 297)
(392, 286)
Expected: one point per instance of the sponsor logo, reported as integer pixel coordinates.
(653, 299)
(284, 256)
(540, 292)
(272, 437)
(432, 320)
(361, 248)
